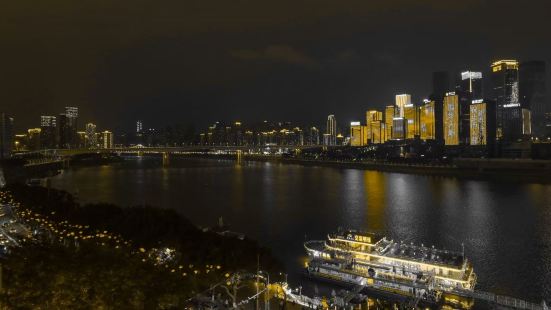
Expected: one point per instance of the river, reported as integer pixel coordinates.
(505, 225)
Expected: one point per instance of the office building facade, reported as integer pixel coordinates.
(451, 115)
(331, 131)
(505, 80)
(533, 97)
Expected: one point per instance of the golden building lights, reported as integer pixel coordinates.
(451, 119)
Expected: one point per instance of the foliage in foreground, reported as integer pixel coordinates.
(61, 275)
(88, 277)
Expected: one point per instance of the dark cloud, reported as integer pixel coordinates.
(276, 53)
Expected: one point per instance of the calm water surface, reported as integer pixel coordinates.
(505, 225)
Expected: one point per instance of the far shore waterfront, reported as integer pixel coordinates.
(518, 169)
(528, 170)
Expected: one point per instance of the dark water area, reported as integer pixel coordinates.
(505, 225)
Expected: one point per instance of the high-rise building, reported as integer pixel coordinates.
(63, 132)
(483, 123)
(371, 116)
(71, 114)
(48, 134)
(411, 114)
(91, 137)
(389, 116)
(33, 139)
(440, 84)
(464, 101)
(331, 130)
(6, 135)
(358, 134)
(377, 132)
(313, 136)
(399, 128)
(471, 82)
(505, 78)
(107, 139)
(139, 126)
(427, 130)
(82, 139)
(401, 101)
(451, 119)
(533, 96)
(327, 139)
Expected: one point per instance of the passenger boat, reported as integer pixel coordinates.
(367, 259)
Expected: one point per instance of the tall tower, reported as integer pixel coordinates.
(63, 132)
(505, 78)
(401, 101)
(107, 139)
(331, 130)
(471, 82)
(451, 115)
(48, 125)
(72, 125)
(91, 137)
(533, 96)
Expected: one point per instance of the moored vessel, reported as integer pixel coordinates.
(365, 259)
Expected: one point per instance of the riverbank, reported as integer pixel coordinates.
(517, 169)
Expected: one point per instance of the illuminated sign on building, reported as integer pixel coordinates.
(451, 120)
(427, 121)
(478, 124)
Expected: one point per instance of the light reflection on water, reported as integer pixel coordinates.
(506, 226)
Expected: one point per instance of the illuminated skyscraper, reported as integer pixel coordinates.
(533, 96)
(71, 114)
(313, 136)
(471, 82)
(389, 116)
(91, 137)
(107, 139)
(48, 126)
(451, 119)
(401, 101)
(331, 130)
(358, 134)
(399, 128)
(377, 132)
(139, 126)
(411, 115)
(505, 78)
(427, 121)
(483, 124)
(6, 135)
(371, 116)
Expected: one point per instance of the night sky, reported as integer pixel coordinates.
(176, 62)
